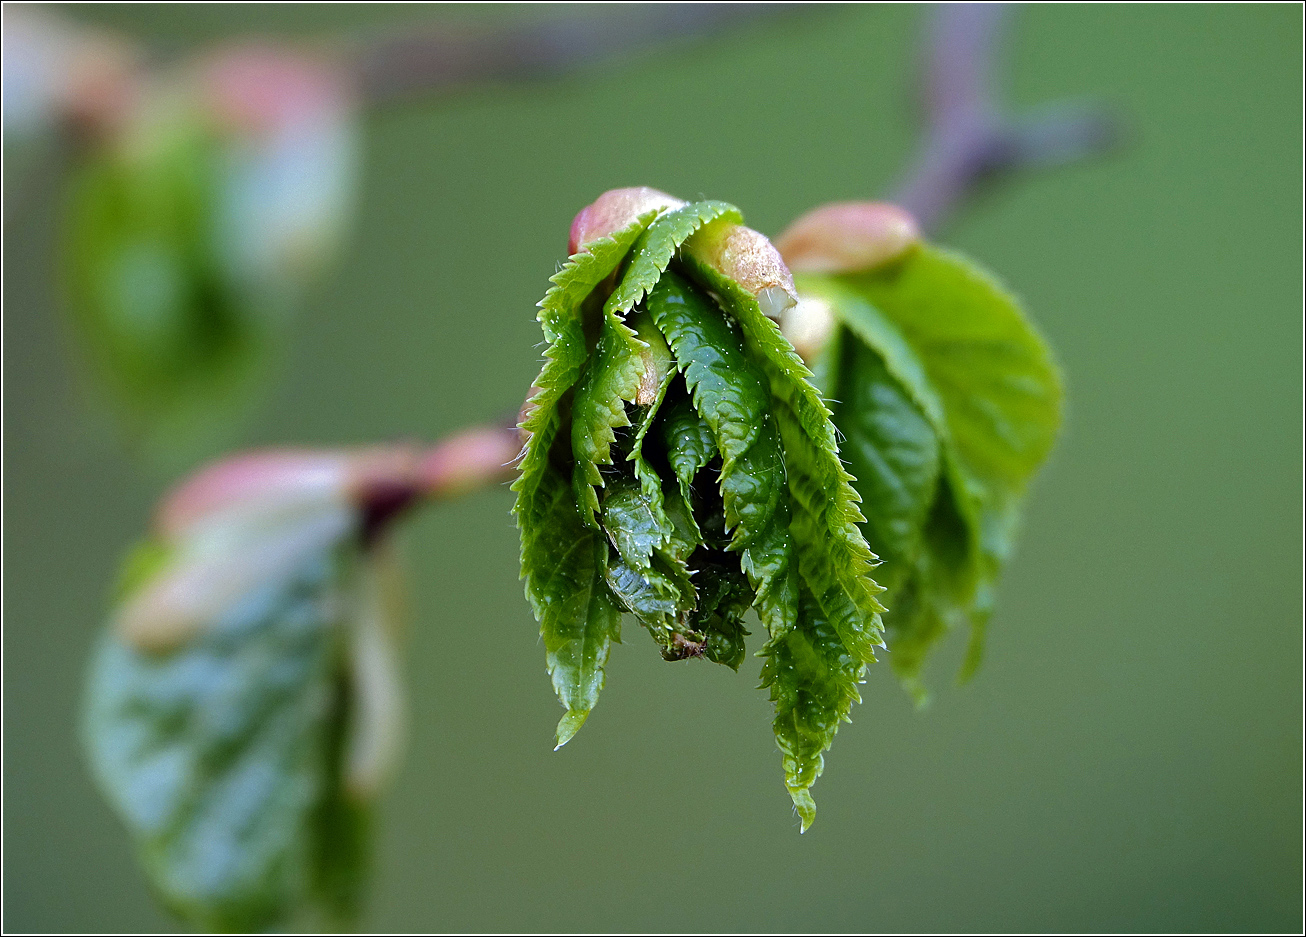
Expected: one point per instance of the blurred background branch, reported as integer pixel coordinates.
(969, 141)
(439, 58)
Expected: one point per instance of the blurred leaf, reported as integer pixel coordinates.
(167, 327)
(234, 749)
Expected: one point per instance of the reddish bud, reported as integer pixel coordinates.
(748, 258)
(613, 210)
(843, 237)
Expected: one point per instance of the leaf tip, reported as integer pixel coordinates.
(569, 725)
(805, 806)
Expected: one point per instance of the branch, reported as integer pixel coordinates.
(439, 59)
(968, 140)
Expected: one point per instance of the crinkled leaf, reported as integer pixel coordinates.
(689, 443)
(635, 524)
(834, 560)
(564, 562)
(813, 681)
(583, 271)
(611, 377)
(655, 248)
(543, 469)
(730, 395)
(223, 755)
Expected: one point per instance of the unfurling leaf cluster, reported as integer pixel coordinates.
(681, 467)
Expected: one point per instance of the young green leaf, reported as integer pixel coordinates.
(560, 560)
(813, 680)
(940, 342)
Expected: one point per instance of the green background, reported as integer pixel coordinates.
(1129, 757)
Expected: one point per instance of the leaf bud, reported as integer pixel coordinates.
(614, 210)
(844, 237)
(747, 257)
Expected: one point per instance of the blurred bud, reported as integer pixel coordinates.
(254, 517)
(748, 258)
(614, 210)
(292, 149)
(843, 237)
(56, 71)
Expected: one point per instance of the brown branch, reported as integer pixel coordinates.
(434, 60)
(968, 139)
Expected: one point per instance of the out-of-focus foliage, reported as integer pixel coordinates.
(949, 401)
(242, 710)
(682, 468)
(197, 219)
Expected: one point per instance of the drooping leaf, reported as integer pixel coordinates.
(813, 680)
(958, 346)
(712, 486)
(539, 499)
(610, 378)
(579, 628)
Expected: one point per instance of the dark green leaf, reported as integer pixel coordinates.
(893, 453)
(610, 378)
(834, 560)
(689, 443)
(813, 681)
(730, 395)
(544, 471)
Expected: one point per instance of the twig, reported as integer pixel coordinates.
(968, 140)
(439, 59)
